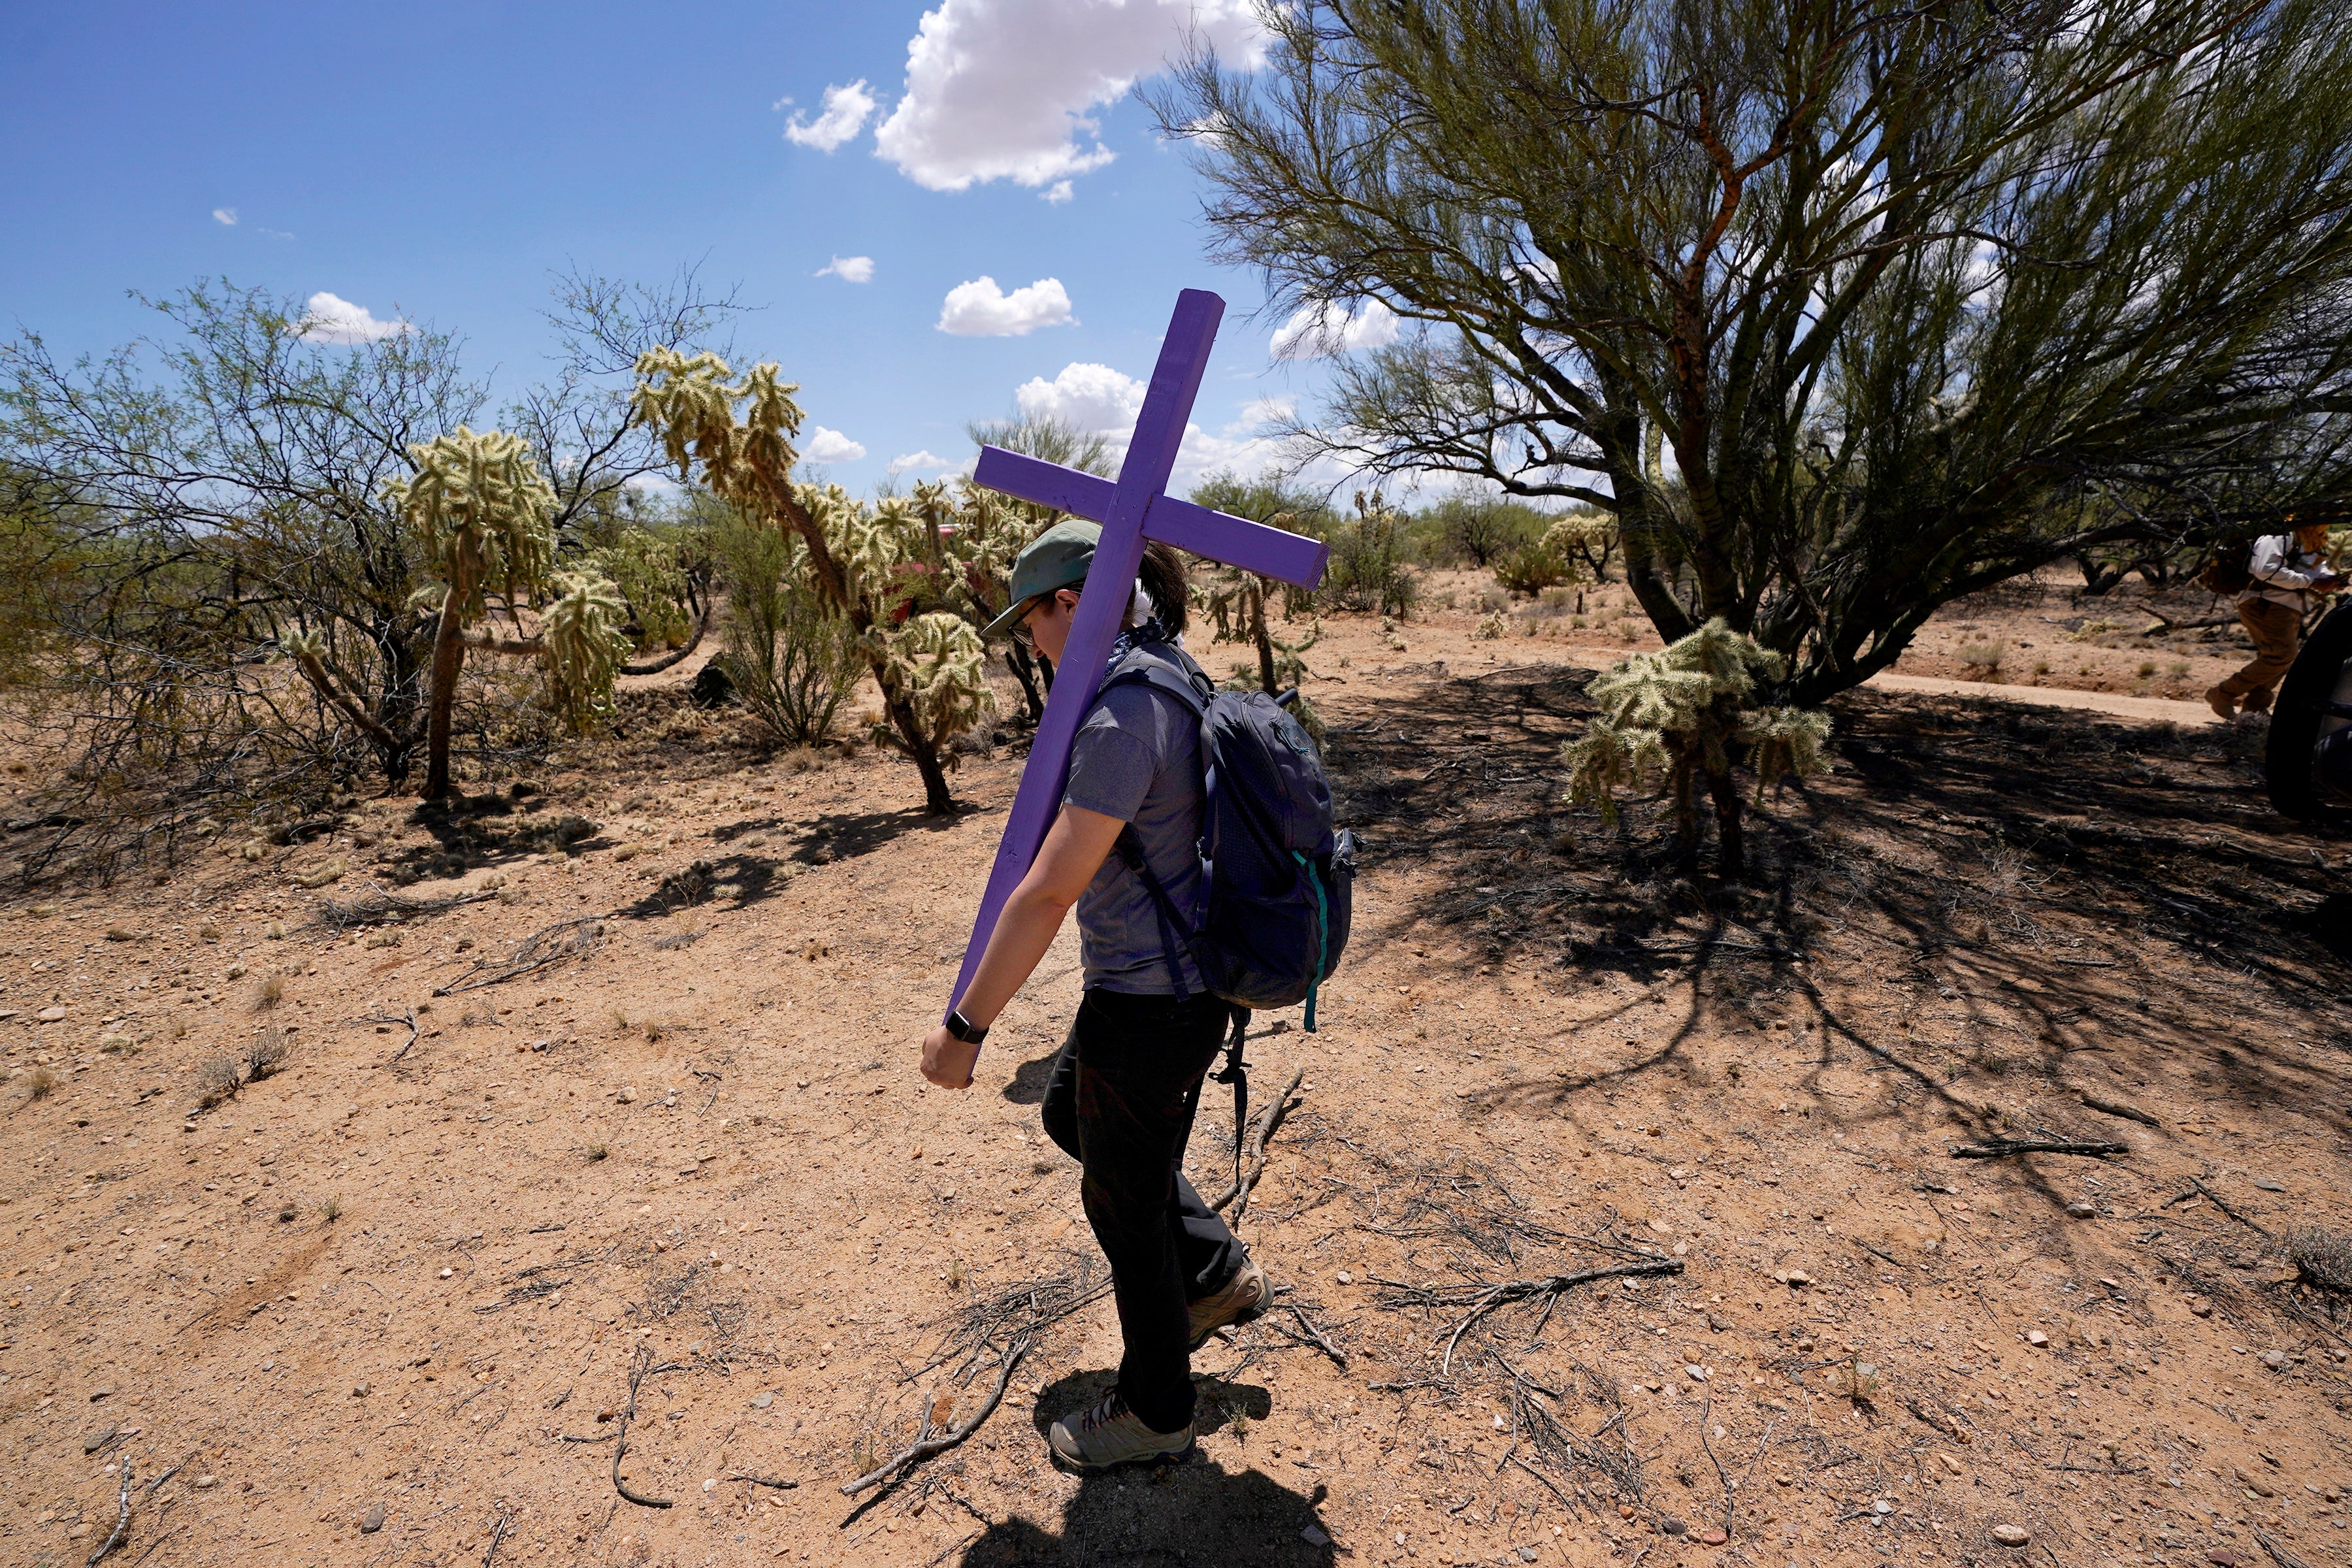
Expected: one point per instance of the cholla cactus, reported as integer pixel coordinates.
(584, 647)
(934, 665)
(481, 513)
(692, 401)
(1678, 713)
(1490, 627)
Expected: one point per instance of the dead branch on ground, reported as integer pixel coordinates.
(1482, 1297)
(1253, 1162)
(641, 1368)
(2196, 1186)
(2116, 1107)
(927, 1443)
(408, 1018)
(2003, 1148)
(551, 944)
(389, 906)
(497, 1533)
(121, 1518)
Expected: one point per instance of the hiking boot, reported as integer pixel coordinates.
(2257, 702)
(1110, 1434)
(1243, 1297)
(2219, 700)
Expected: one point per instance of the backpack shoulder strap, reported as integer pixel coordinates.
(1145, 672)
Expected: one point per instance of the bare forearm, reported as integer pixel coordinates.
(1023, 932)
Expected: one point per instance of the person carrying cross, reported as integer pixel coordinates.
(2283, 571)
(1122, 1092)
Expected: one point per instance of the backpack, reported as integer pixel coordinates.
(1278, 881)
(2230, 569)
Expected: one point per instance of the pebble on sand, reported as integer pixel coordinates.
(374, 1521)
(2011, 1534)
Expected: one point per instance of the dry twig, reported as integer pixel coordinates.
(550, 944)
(926, 1443)
(2003, 1148)
(121, 1518)
(1483, 1298)
(640, 1369)
(2115, 1107)
(1253, 1152)
(408, 1018)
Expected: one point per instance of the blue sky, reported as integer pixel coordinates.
(433, 163)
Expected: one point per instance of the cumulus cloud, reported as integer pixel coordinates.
(981, 309)
(226, 216)
(831, 447)
(1316, 331)
(845, 112)
(849, 269)
(1092, 397)
(925, 462)
(327, 319)
(1002, 89)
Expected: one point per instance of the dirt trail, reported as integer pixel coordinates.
(418, 1282)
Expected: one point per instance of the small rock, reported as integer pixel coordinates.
(625, 1095)
(1345, 1278)
(448, 1274)
(92, 1442)
(2256, 1485)
(51, 1014)
(372, 1521)
(2222, 1559)
(1714, 1535)
(359, 1391)
(97, 1394)
(207, 1483)
(2200, 1308)
(1795, 1279)
(2011, 1534)
(2274, 1360)
(1696, 1373)
(1314, 1536)
(2036, 1338)
(1951, 1464)
(2080, 1210)
(2266, 1185)
(761, 1400)
(1674, 1527)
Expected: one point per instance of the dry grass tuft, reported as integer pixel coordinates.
(2323, 1257)
(270, 993)
(41, 1083)
(216, 1080)
(267, 1053)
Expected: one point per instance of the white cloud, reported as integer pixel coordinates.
(831, 447)
(224, 216)
(849, 269)
(927, 462)
(1060, 190)
(1316, 331)
(1092, 397)
(981, 309)
(1001, 90)
(845, 112)
(327, 319)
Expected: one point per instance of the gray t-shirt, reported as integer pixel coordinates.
(1137, 758)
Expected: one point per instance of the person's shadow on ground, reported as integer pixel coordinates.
(1194, 1511)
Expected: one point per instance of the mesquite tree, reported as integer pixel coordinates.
(1842, 307)
(927, 665)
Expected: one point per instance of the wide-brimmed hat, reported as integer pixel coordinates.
(1058, 558)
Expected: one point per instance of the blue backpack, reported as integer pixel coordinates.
(1278, 880)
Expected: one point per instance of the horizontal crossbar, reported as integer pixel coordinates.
(1235, 540)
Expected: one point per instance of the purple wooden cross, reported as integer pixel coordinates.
(1131, 511)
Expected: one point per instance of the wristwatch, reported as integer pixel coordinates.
(964, 1029)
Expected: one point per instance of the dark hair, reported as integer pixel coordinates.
(1162, 576)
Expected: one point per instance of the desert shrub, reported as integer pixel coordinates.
(267, 1053)
(1370, 568)
(663, 579)
(1675, 716)
(1481, 528)
(40, 1083)
(1492, 626)
(792, 656)
(2323, 1257)
(1982, 659)
(216, 1080)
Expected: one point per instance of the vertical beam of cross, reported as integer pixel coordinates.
(1134, 508)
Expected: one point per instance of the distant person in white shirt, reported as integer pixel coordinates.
(2286, 569)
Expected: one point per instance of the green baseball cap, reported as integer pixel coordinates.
(1058, 558)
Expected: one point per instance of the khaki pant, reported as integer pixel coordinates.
(2276, 630)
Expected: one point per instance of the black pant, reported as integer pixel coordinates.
(1121, 1100)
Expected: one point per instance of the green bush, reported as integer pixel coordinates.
(1370, 565)
(793, 657)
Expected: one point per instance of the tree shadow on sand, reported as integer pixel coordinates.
(1187, 1512)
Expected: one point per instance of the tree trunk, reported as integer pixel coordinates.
(448, 657)
(918, 746)
(1685, 846)
(1264, 639)
(1731, 842)
(1025, 669)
